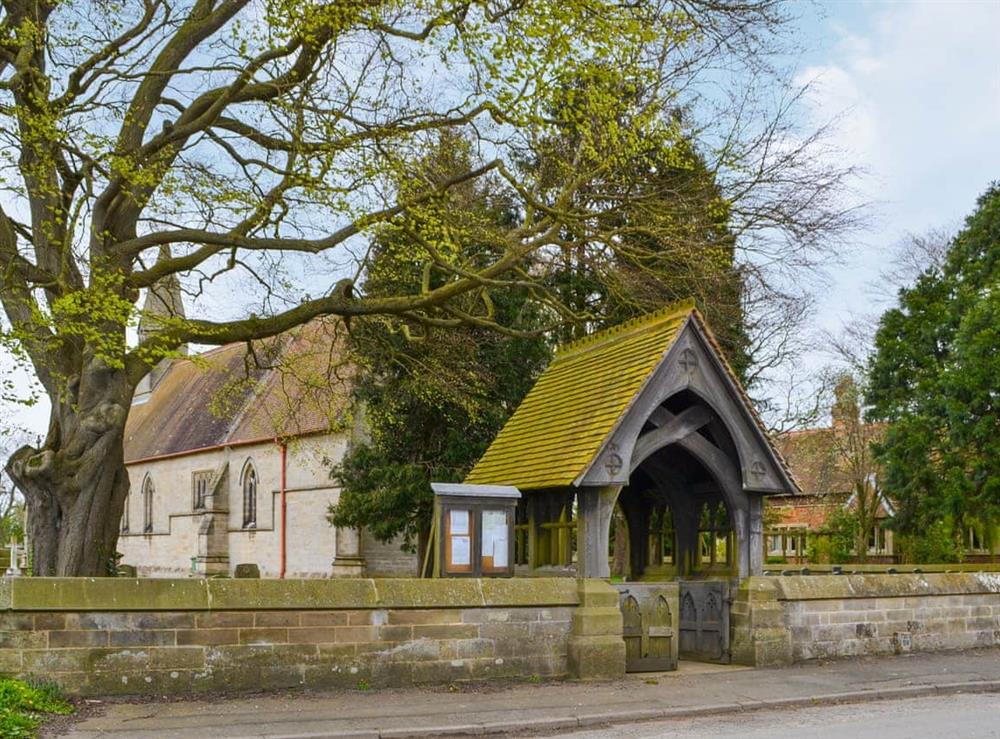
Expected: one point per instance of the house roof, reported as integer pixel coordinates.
(817, 459)
(824, 476)
(291, 385)
(813, 458)
(579, 400)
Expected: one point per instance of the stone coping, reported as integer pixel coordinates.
(198, 594)
(838, 587)
(883, 569)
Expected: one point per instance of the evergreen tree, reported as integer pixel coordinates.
(661, 225)
(433, 400)
(934, 380)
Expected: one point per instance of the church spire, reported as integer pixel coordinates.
(163, 299)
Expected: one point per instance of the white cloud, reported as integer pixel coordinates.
(915, 89)
(920, 91)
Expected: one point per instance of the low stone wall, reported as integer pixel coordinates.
(135, 636)
(781, 620)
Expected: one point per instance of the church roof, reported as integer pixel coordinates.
(579, 400)
(290, 385)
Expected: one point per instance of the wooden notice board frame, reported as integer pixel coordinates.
(473, 500)
(467, 563)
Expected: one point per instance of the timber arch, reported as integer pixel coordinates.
(646, 418)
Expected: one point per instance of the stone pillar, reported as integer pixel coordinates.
(213, 544)
(760, 636)
(348, 561)
(596, 648)
(213, 528)
(594, 508)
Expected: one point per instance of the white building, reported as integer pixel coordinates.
(229, 456)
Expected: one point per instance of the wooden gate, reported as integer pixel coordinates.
(704, 617)
(649, 613)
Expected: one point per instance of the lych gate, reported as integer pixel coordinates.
(643, 432)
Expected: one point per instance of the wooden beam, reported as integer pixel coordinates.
(670, 430)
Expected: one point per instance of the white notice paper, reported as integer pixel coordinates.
(460, 551)
(500, 552)
(495, 537)
(459, 522)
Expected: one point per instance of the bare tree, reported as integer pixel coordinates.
(201, 142)
(913, 255)
(852, 446)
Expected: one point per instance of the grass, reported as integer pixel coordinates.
(23, 707)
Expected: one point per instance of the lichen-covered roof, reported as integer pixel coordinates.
(292, 385)
(579, 399)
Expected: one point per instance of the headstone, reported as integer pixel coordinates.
(247, 570)
(13, 570)
(127, 571)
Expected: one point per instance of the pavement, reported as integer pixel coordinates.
(695, 690)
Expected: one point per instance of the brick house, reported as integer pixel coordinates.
(827, 485)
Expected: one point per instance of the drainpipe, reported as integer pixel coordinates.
(283, 449)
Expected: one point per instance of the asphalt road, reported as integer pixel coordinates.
(944, 717)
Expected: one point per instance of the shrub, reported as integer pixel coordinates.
(24, 705)
(935, 544)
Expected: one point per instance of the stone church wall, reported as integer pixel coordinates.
(387, 559)
(167, 636)
(310, 538)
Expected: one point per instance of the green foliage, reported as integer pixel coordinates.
(433, 400)
(934, 382)
(663, 230)
(837, 542)
(12, 525)
(935, 544)
(23, 707)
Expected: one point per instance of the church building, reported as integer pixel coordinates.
(229, 455)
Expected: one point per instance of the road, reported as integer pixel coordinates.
(958, 716)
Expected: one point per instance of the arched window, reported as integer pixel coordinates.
(128, 498)
(249, 496)
(147, 505)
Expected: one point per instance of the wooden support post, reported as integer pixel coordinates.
(595, 507)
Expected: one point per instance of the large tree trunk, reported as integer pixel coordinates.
(75, 485)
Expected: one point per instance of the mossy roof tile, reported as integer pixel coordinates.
(579, 399)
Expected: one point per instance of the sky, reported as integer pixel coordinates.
(914, 90)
